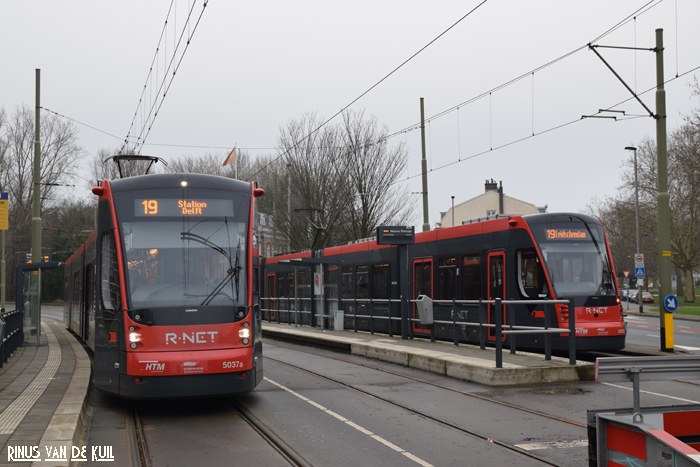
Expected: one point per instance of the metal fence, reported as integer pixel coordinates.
(12, 332)
(378, 315)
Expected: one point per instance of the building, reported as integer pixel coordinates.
(488, 204)
(268, 239)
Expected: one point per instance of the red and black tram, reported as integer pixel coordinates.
(164, 291)
(538, 257)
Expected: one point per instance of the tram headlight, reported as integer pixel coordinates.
(134, 337)
(244, 333)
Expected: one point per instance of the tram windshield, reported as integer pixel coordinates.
(185, 264)
(184, 252)
(576, 258)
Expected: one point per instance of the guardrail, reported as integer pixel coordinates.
(294, 308)
(636, 369)
(12, 332)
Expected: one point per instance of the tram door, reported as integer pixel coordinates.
(422, 285)
(496, 286)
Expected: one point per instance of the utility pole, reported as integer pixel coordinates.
(424, 169)
(35, 312)
(636, 224)
(4, 221)
(289, 208)
(663, 215)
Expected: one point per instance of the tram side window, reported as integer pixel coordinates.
(363, 281)
(285, 282)
(348, 284)
(109, 273)
(302, 284)
(471, 278)
(76, 289)
(530, 275)
(447, 269)
(422, 279)
(331, 282)
(380, 281)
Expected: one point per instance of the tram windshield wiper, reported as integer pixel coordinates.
(233, 271)
(237, 268)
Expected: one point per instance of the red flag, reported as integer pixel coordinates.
(230, 158)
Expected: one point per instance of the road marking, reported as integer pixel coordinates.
(553, 445)
(685, 347)
(654, 393)
(354, 425)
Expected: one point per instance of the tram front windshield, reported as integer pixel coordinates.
(576, 259)
(189, 261)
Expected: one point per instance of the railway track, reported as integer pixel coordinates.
(139, 445)
(470, 432)
(275, 441)
(143, 456)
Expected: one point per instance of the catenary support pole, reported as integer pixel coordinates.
(424, 169)
(663, 216)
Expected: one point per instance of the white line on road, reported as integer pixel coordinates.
(354, 425)
(685, 347)
(654, 393)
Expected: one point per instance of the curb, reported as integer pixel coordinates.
(69, 424)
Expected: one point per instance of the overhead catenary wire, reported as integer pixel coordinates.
(642, 10)
(550, 129)
(149, 76)
(142, 140)
(327, 121)
(164, 86)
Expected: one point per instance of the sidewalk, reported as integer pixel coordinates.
(43, 394)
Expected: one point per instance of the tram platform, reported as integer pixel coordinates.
(43, 399)
(463, 361)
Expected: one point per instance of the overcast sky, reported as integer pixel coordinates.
(251, 67)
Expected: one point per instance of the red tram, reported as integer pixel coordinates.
(164, 291)
(533, 257)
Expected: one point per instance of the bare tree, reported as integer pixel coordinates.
(60, 154)
(319, 193)
(684, 201)
(340, 181)
(373, 168)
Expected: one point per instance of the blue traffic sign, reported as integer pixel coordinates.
(670, 303)
(639, 273)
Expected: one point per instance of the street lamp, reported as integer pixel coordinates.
(636, 221)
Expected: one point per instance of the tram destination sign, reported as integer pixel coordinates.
(395, 235)
(169, 207)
